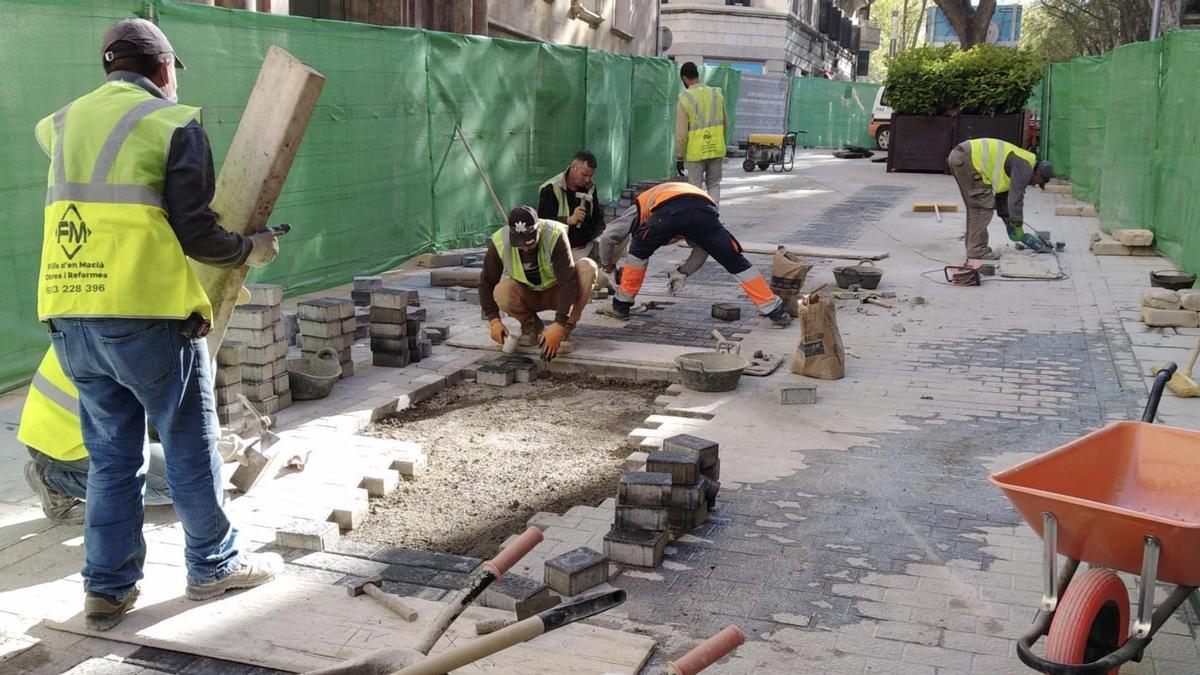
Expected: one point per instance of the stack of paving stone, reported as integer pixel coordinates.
(1162, 307)
(258, 326)
(505, 370)
(395, 327)
(228, 388)
(363, 287)
(1138, 242)
(328, 322)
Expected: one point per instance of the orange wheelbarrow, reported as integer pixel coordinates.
(1127, 498)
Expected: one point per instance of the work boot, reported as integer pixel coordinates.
(779, 317)
(989, 255)
(256, 569)
(58, 507)
(531, 332)
(103, 612)
(618, 310)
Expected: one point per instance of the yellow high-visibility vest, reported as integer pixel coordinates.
(50, 418)
(108, 249)
(988, 156)
(705, 107)
(549, 232)
(559, 185)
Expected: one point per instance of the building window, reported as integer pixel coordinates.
(738, 3)
(623, 18)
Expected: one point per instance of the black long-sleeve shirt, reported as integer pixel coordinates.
(188, 192)
(580, 233)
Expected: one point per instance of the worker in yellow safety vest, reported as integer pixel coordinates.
(128, 199)
(665, 214)
(992, 176)
(528, 269)
(570, 198)
(59, 467)
(701, 126)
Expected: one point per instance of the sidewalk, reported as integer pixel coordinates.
(858, 534)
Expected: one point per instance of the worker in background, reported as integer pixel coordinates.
(129, 188)
(570, 197)
(50, 430)
(528, 269)
(700, 130)
(992, 175)
(665, 214)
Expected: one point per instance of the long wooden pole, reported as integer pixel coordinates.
(256, 166)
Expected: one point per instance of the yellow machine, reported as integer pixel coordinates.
(771, 150)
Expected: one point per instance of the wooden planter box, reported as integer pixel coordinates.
(922, 142)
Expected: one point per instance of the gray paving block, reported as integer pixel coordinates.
(641, 518)
(639, 548)
(709, 450)
(265, 294)
(643, 488)
(576, 571)
(308, 534)
(797, 394)
(683, 465)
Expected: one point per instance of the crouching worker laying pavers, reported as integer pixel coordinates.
(992, 175)
(528, 269)
(665, 214)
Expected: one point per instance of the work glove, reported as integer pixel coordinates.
(498, 330)
(676, 282)
(679, 167)
(577, 216)
(264, 248)
(1014, 228)
(551, 340)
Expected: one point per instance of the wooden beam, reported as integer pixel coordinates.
(256, 167)
(814, 251)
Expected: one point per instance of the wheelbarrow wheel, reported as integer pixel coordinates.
(1092, 619)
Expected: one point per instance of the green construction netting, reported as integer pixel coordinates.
(44, 68)
(1089, 118)
(607, 123)
(1177, 157)
(358, 195)
(652, 119)
(1127, 179)
(730, 82)
(1058, 132)
(831, 112)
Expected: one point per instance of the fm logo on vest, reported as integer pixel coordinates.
(72, 228)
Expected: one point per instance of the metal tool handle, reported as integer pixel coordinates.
(1156, 391)
(708, 652)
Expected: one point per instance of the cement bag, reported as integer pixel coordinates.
(788, 272)
(820, 353)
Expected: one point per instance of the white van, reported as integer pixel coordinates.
(881, 120)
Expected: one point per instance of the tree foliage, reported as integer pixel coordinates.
(983, 80)
(1059, 30)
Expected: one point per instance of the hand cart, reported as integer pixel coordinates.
(1125, 497)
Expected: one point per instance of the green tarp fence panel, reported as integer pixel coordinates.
(832, 112)
(1123, 128)
(44, 68)
(358, 195)
(607, 124)
(1127, 157)
(1089, 118)
(379, 176)
(1177, 156)
(652, 119)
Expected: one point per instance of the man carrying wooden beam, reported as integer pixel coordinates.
(127, 203)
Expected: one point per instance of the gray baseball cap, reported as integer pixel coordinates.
(142, 38)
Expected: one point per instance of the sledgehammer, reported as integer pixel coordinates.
(371, 586)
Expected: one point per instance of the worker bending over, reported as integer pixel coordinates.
(528, 269)
(700, 129)
(992, 175)
(50, 430)
(667, 213)
(570, 197)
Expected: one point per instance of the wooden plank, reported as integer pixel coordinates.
(1029, 266)
(256, 166)
(296, 626)
(814, 251)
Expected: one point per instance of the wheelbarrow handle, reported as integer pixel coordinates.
(1156, 391)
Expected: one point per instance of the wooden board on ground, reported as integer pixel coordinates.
(931, 207)
(1029, 266)
(296, 626)
(815, 251)
(256, 166)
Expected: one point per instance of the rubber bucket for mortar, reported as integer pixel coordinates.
(710, 371)
(313, 377)
(864, 275)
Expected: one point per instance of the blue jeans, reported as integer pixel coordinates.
(70, 478)
(128, 370)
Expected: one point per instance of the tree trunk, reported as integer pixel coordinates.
(971, 25)
(920, 20)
